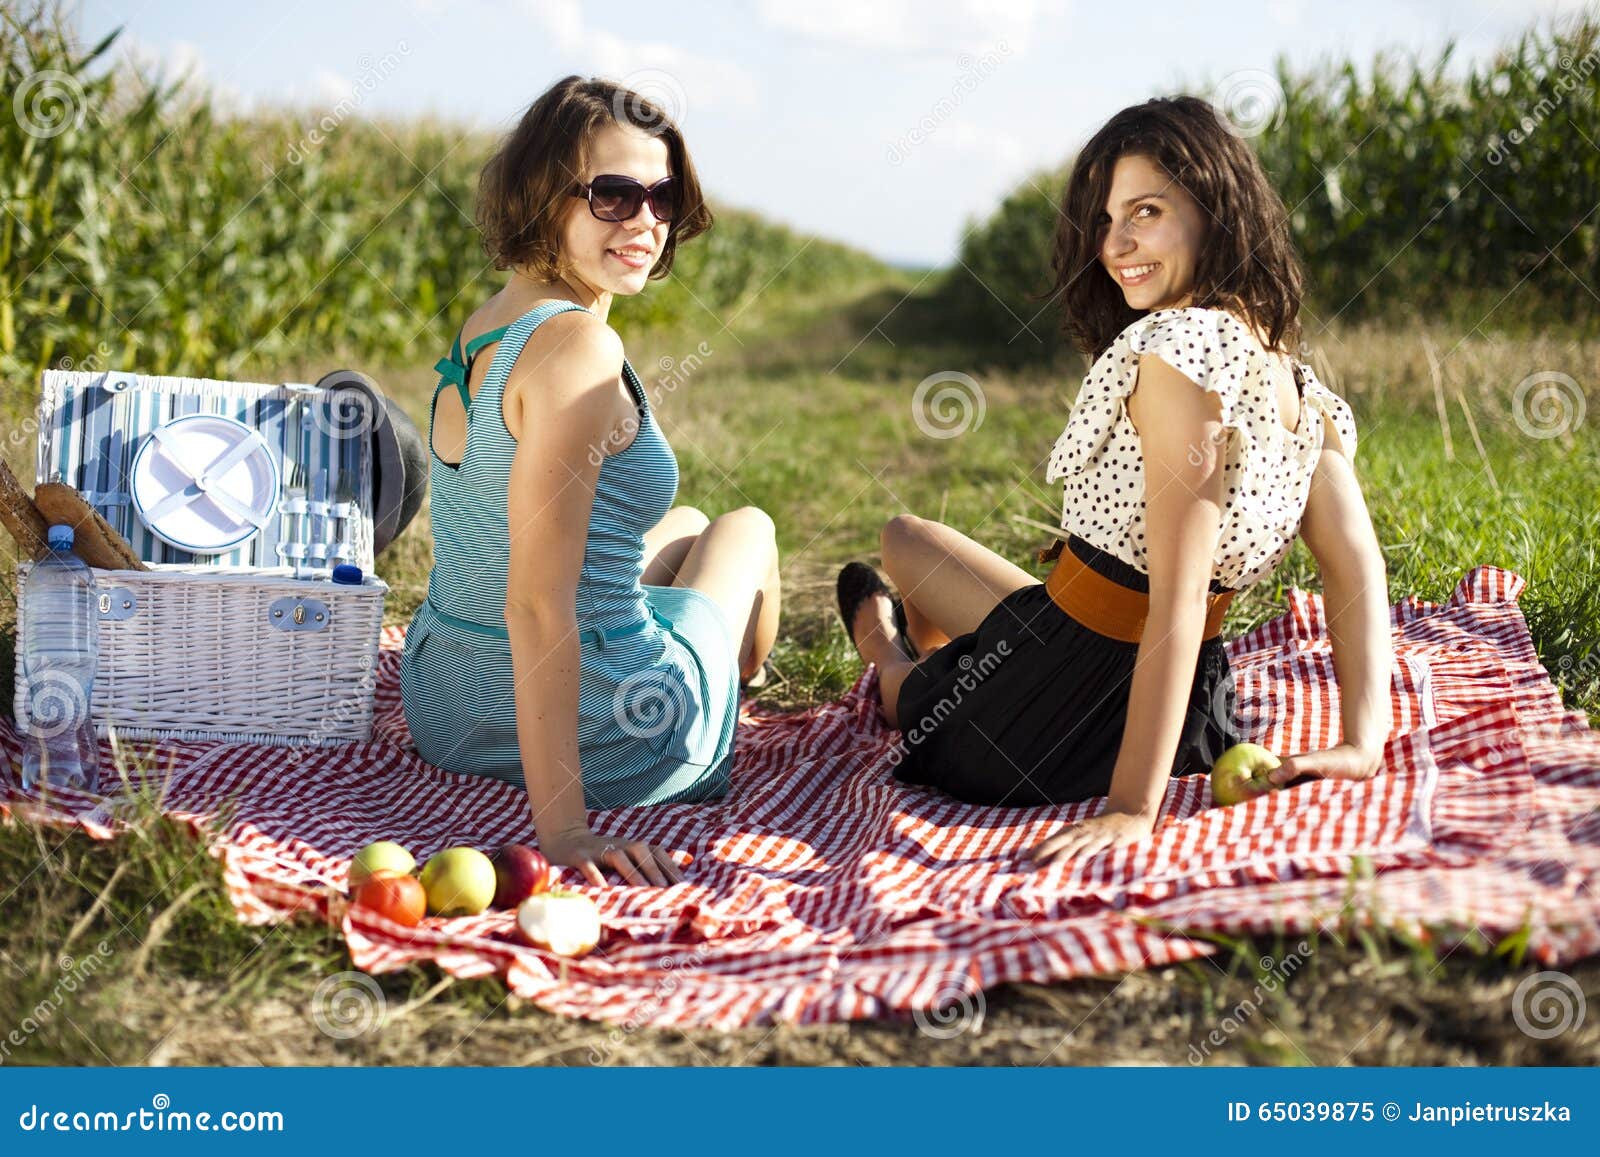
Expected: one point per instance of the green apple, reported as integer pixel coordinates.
(459, 882)
(1240, 773)
(383, 856)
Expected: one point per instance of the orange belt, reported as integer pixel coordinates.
(1108, 608)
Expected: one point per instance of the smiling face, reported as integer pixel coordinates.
(1153, 233)
(615, 257)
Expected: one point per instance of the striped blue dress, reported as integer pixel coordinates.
(658, 691)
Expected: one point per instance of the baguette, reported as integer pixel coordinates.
(21, 517)
(95, 540)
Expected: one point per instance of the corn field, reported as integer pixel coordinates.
(143, 228)
(1416, 190)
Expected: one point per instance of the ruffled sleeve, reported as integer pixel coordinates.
(1094, 414)
(1331, 407)
(1208, 346)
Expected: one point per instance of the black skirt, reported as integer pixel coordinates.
(1029, 708)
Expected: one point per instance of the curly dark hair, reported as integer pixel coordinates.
(1247, 264)
(523, 191)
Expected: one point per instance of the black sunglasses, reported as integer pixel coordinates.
(613, 197)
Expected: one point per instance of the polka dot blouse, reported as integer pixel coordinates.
(1266, 467)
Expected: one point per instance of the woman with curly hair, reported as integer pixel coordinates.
(1198, 450)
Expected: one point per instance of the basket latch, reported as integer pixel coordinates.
(117, 603)
(296, 613)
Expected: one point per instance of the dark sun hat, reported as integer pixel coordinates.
(399, 458)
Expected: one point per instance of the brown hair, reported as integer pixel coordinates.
(1247, 264)
(524, 189)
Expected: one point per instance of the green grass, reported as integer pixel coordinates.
(832, 455)
(129, 955)
(807, 412)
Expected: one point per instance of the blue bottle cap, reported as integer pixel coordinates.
(60, 537)
(347, 573)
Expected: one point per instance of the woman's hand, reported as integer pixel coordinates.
(1346, 761)
(1110, 829)
(635, 861)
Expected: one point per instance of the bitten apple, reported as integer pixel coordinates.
(459, 882)
(383, 856)
(519, 872)
(394, 897)
(566, 923)
(1240, 773)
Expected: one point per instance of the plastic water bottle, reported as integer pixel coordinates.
(60, 643)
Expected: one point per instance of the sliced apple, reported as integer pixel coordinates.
(566, 923)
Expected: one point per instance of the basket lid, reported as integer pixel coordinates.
(202, 472)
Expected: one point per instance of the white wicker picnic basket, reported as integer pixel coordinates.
(242, 497)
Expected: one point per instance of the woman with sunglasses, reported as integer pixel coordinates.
(581, 635)
(1198, 450)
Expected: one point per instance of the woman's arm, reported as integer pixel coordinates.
(1180, 435)
(551, 494)
(1355, 597)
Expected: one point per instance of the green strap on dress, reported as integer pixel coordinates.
(454, 369)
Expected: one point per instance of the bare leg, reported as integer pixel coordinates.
(948, 582)
(926, 637)
(877, 642)
(667, 543)
(735, 561)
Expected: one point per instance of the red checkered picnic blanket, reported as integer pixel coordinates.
(823, 891)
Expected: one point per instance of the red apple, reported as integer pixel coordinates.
(519, 872)
(394, 897)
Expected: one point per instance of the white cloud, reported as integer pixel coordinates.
(330, 87)
(1285, 13)
(179, 60)
(907, 27)
(674, 77)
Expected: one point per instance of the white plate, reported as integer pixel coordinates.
(204, 483)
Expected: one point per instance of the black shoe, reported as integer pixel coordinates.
(859, 582)
(767, 675)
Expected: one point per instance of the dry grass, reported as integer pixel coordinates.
(805, 422)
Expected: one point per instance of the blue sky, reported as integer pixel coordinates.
(890, 124)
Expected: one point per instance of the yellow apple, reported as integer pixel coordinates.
(1240, 773)
(459, 882)
(383, 856)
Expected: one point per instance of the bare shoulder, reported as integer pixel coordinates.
(571, 352)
